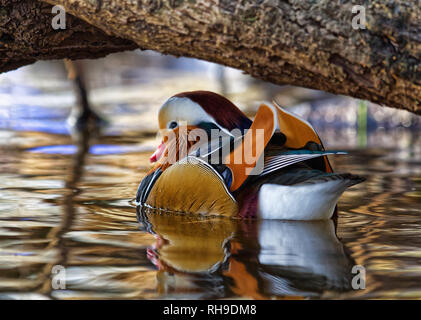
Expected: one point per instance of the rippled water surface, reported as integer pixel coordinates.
(69, 205)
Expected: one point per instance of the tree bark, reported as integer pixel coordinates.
(303, 43)
(26, 35)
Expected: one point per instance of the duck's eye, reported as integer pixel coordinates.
(172, 125)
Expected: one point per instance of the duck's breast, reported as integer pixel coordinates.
(192, 186)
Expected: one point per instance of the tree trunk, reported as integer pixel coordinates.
(303, 43)
(26, 35)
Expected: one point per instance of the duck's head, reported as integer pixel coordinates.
(197, 110)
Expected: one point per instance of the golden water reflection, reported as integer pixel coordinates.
(108, 253)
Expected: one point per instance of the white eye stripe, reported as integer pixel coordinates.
(177, 108)
(186, 111)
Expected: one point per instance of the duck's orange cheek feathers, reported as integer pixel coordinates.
(175, 146)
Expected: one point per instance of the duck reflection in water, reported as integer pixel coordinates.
(217, 257)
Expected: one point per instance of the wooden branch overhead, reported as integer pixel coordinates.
(303, 43)
(26, 35)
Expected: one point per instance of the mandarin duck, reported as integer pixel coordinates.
(213, 160)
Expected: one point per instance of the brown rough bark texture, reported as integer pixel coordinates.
(26, 35)
(304, 43)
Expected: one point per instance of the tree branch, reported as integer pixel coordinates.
(26, 35)
(303, 43)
